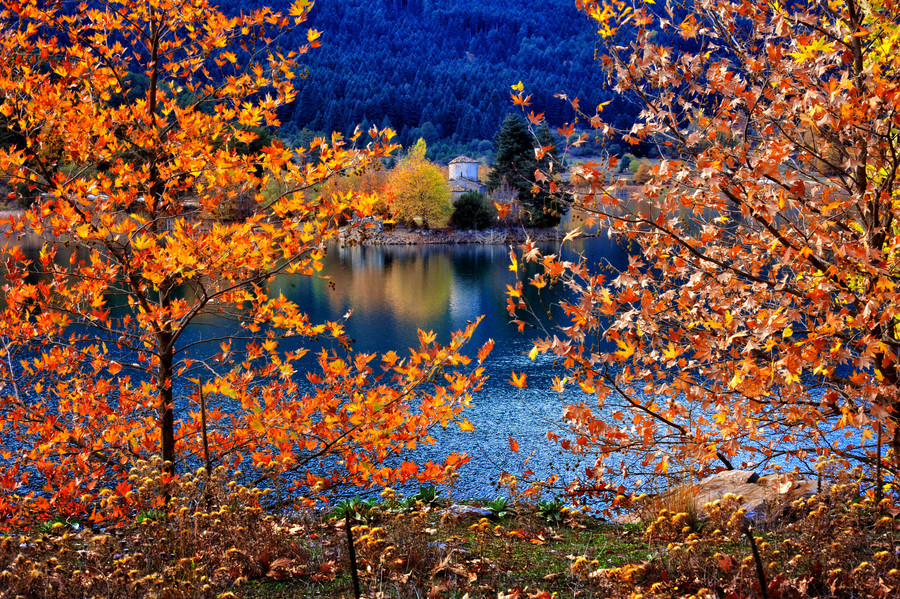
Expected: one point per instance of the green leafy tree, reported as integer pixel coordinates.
(519, 165)
(471, 210)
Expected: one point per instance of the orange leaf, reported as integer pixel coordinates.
(518, 381)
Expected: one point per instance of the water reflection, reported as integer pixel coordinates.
(395, 290)
(414, 286)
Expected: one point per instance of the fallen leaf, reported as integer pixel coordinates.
(280, 569)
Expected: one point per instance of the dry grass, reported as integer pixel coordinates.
(213, 538)
(210, 537)
(838, 544)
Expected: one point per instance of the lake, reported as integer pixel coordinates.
(392, 292)
(395, 290)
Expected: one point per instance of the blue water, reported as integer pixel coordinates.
(395, 290)
(391, 293)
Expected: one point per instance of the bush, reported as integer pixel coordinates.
(643, 173)
(472, 211)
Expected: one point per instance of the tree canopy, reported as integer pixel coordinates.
(436, 70)
(757, 319)
(420, 190)
(517, 165)
(472, 210)
(98, 369)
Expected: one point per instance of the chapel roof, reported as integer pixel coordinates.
(463, 160)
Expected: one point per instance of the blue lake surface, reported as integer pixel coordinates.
(395, 290)
(392, 292)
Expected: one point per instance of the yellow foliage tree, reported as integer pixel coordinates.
(420, 191)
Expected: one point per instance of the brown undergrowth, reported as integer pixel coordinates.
(194, 536)
(839, 543)
(213, 538)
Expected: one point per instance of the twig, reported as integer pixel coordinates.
(206, 460)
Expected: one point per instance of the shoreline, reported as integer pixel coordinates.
(504, 236)
(371, 232)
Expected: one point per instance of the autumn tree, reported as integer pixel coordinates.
(420, 190)
(757, 319)
(642, 173)
(143, 325)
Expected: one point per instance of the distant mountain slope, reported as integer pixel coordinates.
(440, 69)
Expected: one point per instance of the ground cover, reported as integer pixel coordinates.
(213, 538)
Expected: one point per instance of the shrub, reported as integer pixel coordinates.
(357, 509)
(472, 211)
(428, 494)
(553, 511)
(499, 507)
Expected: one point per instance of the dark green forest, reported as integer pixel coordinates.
(441, 70)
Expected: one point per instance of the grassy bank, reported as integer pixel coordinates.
(216, 540)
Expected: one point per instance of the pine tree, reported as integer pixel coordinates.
(515, 163)
(551, 208)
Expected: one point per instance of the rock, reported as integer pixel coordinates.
(781, 491)
(402, 236)
(718, 485)
(765, 498)
(463, 512)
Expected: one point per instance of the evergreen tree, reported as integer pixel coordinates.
(515, 163)
(471, 210)
(552, 209)
(513, 157)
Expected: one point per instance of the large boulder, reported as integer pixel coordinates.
(765, 498)
(464, 512)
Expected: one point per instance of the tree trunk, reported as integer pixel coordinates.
(895, 439)
(166, 411)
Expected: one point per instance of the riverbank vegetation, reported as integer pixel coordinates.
(414, 192)
(212, 538)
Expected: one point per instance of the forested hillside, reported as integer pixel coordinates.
(440, 69)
